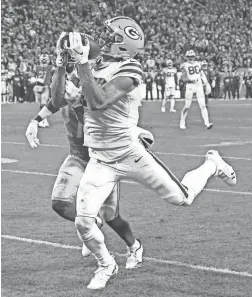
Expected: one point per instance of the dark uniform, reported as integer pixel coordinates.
(236, 86)
(227, 85)
(160, 84)
(148, 81)
(248, 84)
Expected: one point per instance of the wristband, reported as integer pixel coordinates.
(37, 118)
(51, 107)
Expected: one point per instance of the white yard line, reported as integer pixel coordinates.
(158, 153)
(227, 143)
(151, 259)
(196, 155)
(124, 181)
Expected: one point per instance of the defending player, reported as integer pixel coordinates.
(68, 179)
(44, 73)
(196, 81)
(110, 122)
(171, 85)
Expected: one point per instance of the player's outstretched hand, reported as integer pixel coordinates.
(31, 133)
(77, 50)
(207, 89)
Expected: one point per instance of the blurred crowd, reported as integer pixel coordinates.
(219, 31)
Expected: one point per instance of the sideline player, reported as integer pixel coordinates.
(196, 81)
(44, 73)
(171, 85)
(70, 173)
(111, 118)
(205, 69)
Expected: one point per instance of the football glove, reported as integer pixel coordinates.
(61, 59)
(77, 50)
(59, 48)
(31, 133)
(145, 137)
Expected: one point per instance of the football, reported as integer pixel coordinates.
(94, 47)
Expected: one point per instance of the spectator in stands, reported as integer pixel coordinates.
(149, 84)
(219, 31)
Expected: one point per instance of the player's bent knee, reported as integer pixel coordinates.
(84, 225)
(65, 209)
(179, 199)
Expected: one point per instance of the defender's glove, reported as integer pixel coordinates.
(31, 133)
(145, 137)
(61, 59)
(62, 55)
(59, 47)
(207, 88)
(77, 50)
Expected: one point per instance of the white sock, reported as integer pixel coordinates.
(79, 235)
(196, 179)
(205, 116)
(164, 102)
(183, 116)
(172, 103)
(135, 246)
(94, 241)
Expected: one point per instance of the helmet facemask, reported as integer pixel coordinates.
(119, 38)
(111, 42)
(44, 60)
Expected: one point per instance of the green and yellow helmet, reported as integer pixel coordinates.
(120, 37)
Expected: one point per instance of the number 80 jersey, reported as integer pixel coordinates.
(192, 70)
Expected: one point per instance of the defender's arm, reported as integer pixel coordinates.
(58, 87)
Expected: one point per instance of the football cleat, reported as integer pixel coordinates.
(102, 275)
(224, 171)
(209, 126)
(134, 257)
(173, 110)
(163, 109)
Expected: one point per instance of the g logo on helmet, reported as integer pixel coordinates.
(132, 32)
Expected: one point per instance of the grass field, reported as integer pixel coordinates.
(203, 250)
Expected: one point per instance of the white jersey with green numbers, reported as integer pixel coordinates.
(110, 133)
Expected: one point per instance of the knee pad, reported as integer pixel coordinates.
(65, 209)
(84, 225)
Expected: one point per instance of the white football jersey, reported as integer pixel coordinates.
(109, 133)
(193, 70)
(170, 75)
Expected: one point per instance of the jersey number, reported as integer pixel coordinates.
(169, 74)
(193, 70)
(41, 74)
